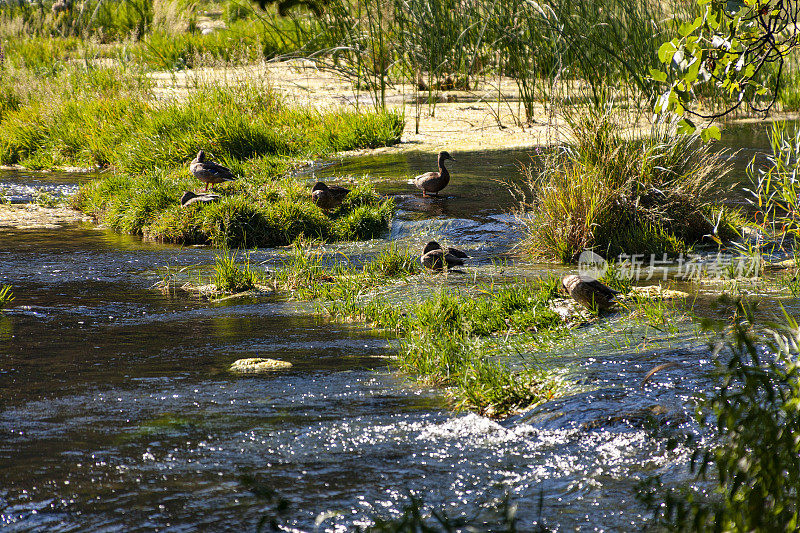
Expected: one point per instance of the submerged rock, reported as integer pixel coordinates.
(655, 292)
(254, 365)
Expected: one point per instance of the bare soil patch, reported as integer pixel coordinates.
(488, 118)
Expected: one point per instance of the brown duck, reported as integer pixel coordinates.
(328, 197)
(209, 172)
(437, 258)
(433, 182)
(590, 293)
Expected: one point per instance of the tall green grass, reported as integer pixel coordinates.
(544, 47)
(108, 124)
(775, 190)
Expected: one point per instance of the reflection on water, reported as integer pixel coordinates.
(20, 186)
(117, 412)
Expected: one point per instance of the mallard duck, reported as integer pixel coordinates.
(436, 258)
(590, 293)
(328, 197)
(190, 198)
(433, 182)
(209, 172)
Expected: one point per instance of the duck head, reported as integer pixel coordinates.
(444, 156)
(433, 245)
(201, 156)
(188, 195)
(319, 186)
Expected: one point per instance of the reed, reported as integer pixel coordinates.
(775, 192)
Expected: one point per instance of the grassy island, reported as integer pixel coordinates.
(107, 118)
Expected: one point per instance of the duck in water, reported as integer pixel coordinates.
(209, 172)
(433, 182)
(328, 197)
(592, 294)
(437, 258)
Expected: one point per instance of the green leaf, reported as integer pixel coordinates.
(711, 132)
(691, 74)
(686, 127)
(657, 75)
(666, 51)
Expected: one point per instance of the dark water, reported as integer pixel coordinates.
(117, 412)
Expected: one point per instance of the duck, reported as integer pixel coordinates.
(590, 293)
(209, 172)
(190, 197)
(437, 258)
(433, 182)
(326, 197)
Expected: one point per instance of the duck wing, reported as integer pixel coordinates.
(428, 177)
(211, 170)
(457, 253)
(453, 260)
(338, 192)
(602, 288)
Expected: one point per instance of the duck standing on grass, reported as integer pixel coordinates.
(590, 293)
(209, 172)
(328, 197)
(433, 182)
(437, 258)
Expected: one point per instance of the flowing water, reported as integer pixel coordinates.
(117, 411)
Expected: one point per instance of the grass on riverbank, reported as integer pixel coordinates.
(618, 196)
(451, 339)
(106, 117)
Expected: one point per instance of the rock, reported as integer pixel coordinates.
(781, 265)
(655, 292)
(256, 365)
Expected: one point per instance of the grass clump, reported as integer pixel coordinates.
(619, 196)
(255, 211)
(114, 124)
(229, 276)
(105, 117)
(312, 274)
